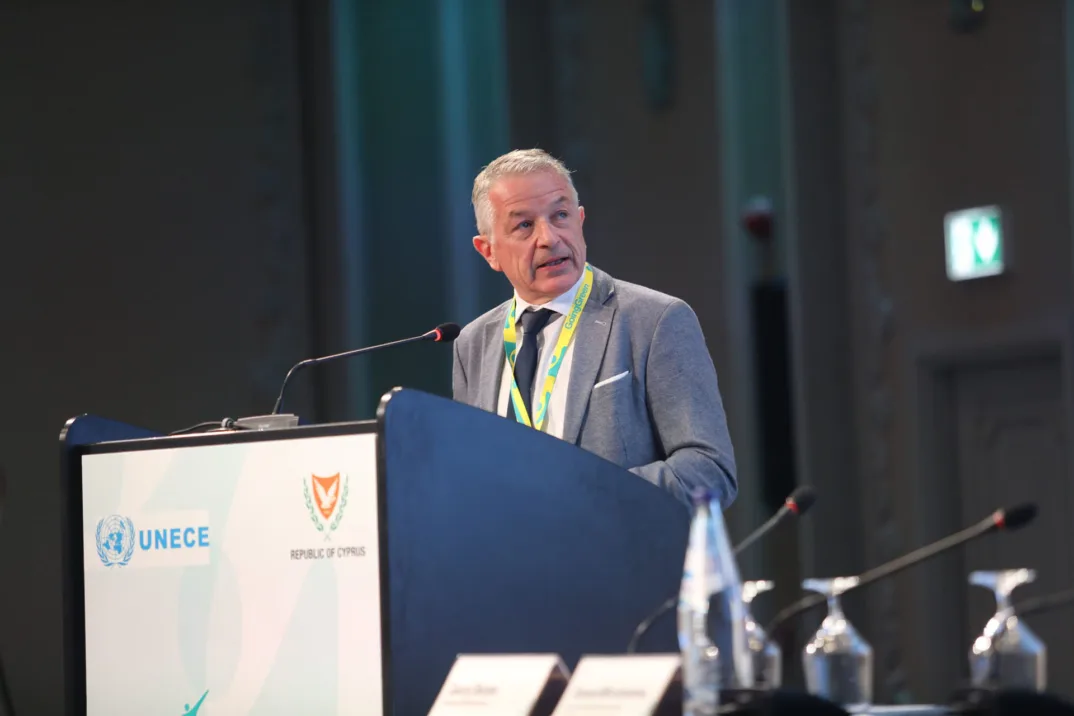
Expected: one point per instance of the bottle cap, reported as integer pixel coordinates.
(701, 496)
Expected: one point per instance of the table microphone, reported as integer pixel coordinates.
(444, 333)
(1010, 519)
(797, 504)
(1040, 605)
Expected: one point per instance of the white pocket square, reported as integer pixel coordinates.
(614, 378)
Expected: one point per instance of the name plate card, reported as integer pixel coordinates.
(501, 684)
(626, 685)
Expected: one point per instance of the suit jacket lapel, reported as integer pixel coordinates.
(492, 362)
(590, 342)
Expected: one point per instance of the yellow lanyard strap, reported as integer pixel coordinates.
(566, 333)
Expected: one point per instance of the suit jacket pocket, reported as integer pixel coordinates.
(609, 402)
(607, 382)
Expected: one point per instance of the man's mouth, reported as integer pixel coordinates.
(553, 263)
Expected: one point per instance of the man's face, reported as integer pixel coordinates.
(536, 235)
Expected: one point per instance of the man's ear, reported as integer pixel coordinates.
(581, 214)
(484, 247)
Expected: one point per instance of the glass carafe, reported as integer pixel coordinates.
(838, 662)
(1007, 654)
(767, 656)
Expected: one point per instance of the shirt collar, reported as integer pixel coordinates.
(561, 304)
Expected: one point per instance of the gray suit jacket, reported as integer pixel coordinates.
(664, 421)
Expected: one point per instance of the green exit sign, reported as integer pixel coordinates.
(974, 242)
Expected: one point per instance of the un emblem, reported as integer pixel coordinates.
(115, 540)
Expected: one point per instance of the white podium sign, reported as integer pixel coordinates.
(233, 578)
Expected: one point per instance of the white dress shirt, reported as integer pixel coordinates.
(546, 342)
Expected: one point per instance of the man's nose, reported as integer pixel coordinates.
(546, 235)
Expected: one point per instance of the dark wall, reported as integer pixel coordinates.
(628, 99)
(154, 266)
(194, 196)
(950, 411)
(403, 169)
(963, 120)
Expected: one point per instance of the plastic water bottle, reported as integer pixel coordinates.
(728, 613)
(700, 658)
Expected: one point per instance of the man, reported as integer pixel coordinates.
(615, 368)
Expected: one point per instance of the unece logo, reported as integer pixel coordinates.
(117, 542)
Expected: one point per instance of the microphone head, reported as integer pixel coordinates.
(801, 500)
(445, 332)
(1016, 517)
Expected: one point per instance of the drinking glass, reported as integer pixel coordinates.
(767, 656)
(1007, 654)
(838, 662)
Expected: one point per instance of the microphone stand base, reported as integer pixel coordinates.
(267, 422)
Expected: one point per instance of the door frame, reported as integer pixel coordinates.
(936, 502)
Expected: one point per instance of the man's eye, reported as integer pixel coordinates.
(524, 225)
(562, 215)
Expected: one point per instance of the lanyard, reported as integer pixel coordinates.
(510, 344)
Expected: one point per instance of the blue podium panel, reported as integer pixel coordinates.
(503, 539)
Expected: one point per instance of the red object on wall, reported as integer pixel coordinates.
(758, 218)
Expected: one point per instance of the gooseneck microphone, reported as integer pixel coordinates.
(1040, 605)
(444, 333)
(796, 504)
(1010, 519)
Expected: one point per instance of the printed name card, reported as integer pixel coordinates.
(502, 684)
(626, 685)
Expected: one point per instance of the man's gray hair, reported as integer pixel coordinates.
(519, 161)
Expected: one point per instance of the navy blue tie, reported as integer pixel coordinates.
(533, 322)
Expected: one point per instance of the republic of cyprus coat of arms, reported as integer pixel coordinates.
(326, 498)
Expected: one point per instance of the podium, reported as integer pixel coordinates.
(341, 568)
